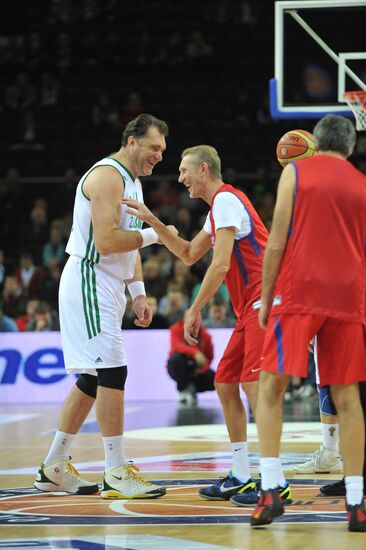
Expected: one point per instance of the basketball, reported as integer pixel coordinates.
(294, 145)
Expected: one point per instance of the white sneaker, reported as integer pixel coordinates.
(323, 462)
(125, 482)
(63, 477)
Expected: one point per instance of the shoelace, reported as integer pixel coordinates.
(72, 470)
(132, 470)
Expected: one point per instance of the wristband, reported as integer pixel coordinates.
(136, 288)
(149, 236)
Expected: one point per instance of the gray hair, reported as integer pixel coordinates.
(335, 133)
(207, 154)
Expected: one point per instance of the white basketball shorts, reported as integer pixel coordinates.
(91, 306)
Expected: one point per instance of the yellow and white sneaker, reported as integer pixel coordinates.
(322, 462)
(63, 477)
(125, 482)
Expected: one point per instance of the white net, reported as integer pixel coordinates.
(357, 102)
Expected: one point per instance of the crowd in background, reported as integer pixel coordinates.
(72, 74)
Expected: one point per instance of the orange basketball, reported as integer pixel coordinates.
(294, 145)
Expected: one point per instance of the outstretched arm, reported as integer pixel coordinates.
(188, 251)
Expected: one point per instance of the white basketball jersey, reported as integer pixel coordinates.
(120, 265)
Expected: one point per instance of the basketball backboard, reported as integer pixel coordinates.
(320, 52)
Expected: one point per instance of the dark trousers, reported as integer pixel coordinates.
(183, 370)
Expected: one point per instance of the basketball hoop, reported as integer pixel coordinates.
(357, 102)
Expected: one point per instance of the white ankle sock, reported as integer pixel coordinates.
(269, 472)
(330, 436)
(240, 460)
(60, 448)
(354, 489)
(281, 476)
(114, 452)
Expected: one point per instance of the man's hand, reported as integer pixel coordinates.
(192, 323)
(200, 359)
(139, 210)
(143, 312)
(264, 315)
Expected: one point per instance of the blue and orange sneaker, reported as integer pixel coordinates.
(226, 487)
(242, 498)
(269, 507)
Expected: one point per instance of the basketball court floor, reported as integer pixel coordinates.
(182, 448)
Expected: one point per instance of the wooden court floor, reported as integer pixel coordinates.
(184, 449)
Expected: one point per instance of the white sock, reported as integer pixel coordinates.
(114, 452)
(281, 476)
(60, 448)
(269, 472)
(240, 460)
(354, 489)
(330, 436)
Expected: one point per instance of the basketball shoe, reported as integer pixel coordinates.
(269, 507)
(248, 499)
(356, 516)
(228, 486)
(63, 477)
(322, 462)
(124, 482)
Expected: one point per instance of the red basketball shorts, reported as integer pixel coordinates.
(341, 348)
(241, 359)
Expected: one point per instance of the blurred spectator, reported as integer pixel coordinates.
(44, 319)
(132, 107)
(37, 57)
(155, 283)
(21, 94)
(2, 269)
(12, 51)
(24, 320)
(183, 222)
(198, 51)
(183, 277)
(6, 323)
(34, 235)
(63, 52)
(189, 365)
(173, 305)
(105, 112)
(49, 90)
(218, 314)
(51, 283)
(13, 298)
(29, 275)
(27, 133)
(221, 292)
(165, 259)
(158, 320)
(54, 249)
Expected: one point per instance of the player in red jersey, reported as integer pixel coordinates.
(238, 237)
(314, 282)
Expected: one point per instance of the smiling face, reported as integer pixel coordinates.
(147, 151)
(191, 174)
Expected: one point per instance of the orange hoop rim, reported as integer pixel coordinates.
(359, 94)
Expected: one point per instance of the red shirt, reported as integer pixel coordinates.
(323, 268)
(243, 280)
(179, 345)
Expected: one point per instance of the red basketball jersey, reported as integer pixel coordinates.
(323, 268)
(243, 280)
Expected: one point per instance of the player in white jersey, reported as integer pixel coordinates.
(104, 259)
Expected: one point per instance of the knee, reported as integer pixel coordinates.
(114, 378)
(227, 392)
(87, 383)
(345, 397)
(272, 386)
